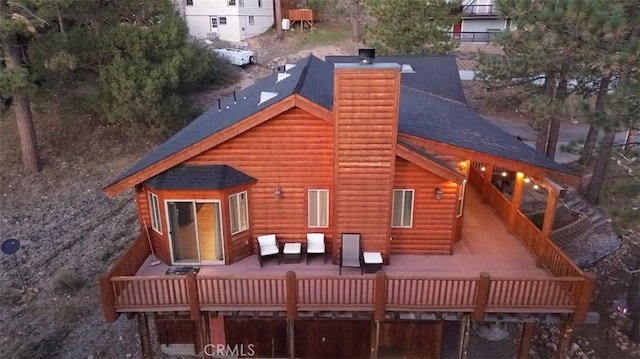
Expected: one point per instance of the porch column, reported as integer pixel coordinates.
(464, 336)
(525, 339)
(550, 210)
(486, 184)
(565, 339)
(145, 337)
(515, 202)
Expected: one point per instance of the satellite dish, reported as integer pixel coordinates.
(10, 246)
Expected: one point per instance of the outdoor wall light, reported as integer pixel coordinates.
(277, 193)
(438, 193)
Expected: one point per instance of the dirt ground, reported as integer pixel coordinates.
(70, 232)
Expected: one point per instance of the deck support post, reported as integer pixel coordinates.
(525, 339)
(108, 299)
(291, 338)
(550, 212)
(192, 295)
(463, 341)
(292, 295)
(380, 292)
(584, 299)
(487, 176)
(482, 297)
(145, 338)
(565, 339)
(515, 202)
(375, 338)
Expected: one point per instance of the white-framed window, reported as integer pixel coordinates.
(238, 212)
(214, 22)
(252, 20)
(463, 187)
(241, 3)
(318, 208)
(222, 20)
(154, 208)
(189, 2)
(231, 2)
(402, 215)
(259, 3)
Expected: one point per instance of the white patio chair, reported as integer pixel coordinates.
(315, 245)
(268, 246)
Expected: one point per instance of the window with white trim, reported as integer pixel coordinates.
(318, 208)
(402, 215)
(241, 3)
(231, 2)
(222, 20)
(238, 212)
(252, 20)
(463, 186)
(154, 208)
(189, 2)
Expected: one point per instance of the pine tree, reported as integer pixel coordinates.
(411, 27)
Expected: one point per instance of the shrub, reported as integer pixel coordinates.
(66, 280)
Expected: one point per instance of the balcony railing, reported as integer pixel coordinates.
(465, 36)
(480, 10)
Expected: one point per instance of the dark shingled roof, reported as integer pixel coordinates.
(200, 177)
(437, 119)
(432, 106)
(434, 74)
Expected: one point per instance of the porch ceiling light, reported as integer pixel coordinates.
(277, 192)
(483, 168)
(438, 193)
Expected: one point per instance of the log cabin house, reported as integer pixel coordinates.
(388, 150)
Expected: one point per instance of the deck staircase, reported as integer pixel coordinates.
(589, 239)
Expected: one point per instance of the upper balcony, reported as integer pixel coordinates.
(490, 271)
(469, 11)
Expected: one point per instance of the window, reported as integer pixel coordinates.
(189, 2)
(155, 213)
(318, 208)
(214, 22)
(463, 186)
(402, 208)
(259, 3)
(239, 212)
(222, 20)
(240, 2)
(252, 20)
(231, 2)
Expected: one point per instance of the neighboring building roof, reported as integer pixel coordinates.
(200, 177)
(440, 115)
(434, 74)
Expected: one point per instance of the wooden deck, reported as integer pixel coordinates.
(490, 271)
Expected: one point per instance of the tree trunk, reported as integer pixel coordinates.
(600, 168)
(279, 32)
(60, 21)
(554, 125)
(22, 110)
(592, 136)
(355, 21)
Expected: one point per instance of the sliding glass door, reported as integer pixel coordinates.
(195, 230)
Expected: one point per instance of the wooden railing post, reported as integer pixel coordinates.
(292, 296)
(108, 298)
(584, 299)
(525, 340)
(192, 294)
(380, 296)
(482, 296)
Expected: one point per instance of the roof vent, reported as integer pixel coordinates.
(266, 96)
(281, 69)
(407, 69)
(366, 56)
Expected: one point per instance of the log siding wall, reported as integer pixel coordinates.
(433, 221)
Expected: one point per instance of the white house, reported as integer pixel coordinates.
(230, 20)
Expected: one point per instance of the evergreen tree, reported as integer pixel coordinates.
(412, 26)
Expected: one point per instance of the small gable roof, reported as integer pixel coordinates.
(213, 177)
(434, 74)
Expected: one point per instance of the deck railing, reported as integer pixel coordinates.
(375, 294)
(480, 10)
(470, 36)
(302, 15)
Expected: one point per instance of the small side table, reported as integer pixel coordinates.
(292, 252)
(372, 261)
